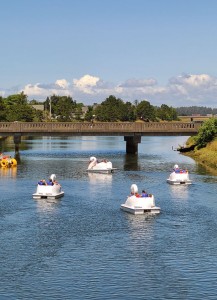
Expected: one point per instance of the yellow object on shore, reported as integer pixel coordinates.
(7, 161)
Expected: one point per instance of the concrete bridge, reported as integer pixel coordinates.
(132, 132)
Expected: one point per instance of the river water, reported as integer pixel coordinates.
(83, 246)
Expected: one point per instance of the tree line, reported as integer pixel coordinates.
(64, 109)
(194, 110)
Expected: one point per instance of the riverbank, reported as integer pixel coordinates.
(205, 156)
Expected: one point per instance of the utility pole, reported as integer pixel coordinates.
(50, 108)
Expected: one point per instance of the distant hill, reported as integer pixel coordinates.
(195, 110)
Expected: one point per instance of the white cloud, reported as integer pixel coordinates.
(62, 83)
(33, 90)
(86, 83)
(200, 80)
(182, 90)
(41, 91)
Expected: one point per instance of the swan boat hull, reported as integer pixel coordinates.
(101, 170)
(179, 178)
(140, 205)
(48, 192)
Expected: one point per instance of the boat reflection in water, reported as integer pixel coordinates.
(8, 172)
(47, 205)
(179, 191)
(141, 230)
(98, 182)
(96, 178)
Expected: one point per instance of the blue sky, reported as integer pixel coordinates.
(163, 51)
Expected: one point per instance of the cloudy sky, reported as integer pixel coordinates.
(163, 51)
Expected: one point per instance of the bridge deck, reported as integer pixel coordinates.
(121, 129)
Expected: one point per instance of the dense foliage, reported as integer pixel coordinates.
(114, 109)
(206, 133)
(145, 111)
(166, 113)
(62, 107)
(16, 108)
(65, 109)
(2, 110)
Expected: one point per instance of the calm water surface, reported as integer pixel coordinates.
(83, 246)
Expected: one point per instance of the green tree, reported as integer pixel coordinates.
(2, 110)
(114, 109)
(62, 107)
(146, 111)
(89, 114)
(38, 115)
(34, 102)
(78, 114)
(128, 113)
(207, 132)
(18, 109)
(166, 113)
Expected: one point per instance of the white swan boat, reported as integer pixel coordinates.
(100, 167)
(50, 190)
(138, 204)
(179, 176)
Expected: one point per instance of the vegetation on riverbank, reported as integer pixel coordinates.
(65, 109)
(206, 156)
(205, 144)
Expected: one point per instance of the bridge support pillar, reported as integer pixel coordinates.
(132, 143)
(17, 141)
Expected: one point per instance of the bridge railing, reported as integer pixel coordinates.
(68, 127)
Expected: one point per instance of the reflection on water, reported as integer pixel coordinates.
(8, 172)
(131, 162)
(96, 178)
(47, 205)
(140, 225)
(179, 191)
(141, 236)
(204, 169)
(100, 184)
(17, 157)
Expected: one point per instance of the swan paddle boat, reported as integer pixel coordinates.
(48, 190)
(100, 167)
(179, 176)
(139, 204)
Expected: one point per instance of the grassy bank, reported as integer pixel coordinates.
(206, 156)
(204, 145)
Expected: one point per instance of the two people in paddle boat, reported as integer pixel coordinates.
(176, 169)
(49, 182)
(142, 195)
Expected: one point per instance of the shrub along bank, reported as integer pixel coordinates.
(204, 144)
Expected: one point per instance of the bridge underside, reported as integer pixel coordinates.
(132, 141)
